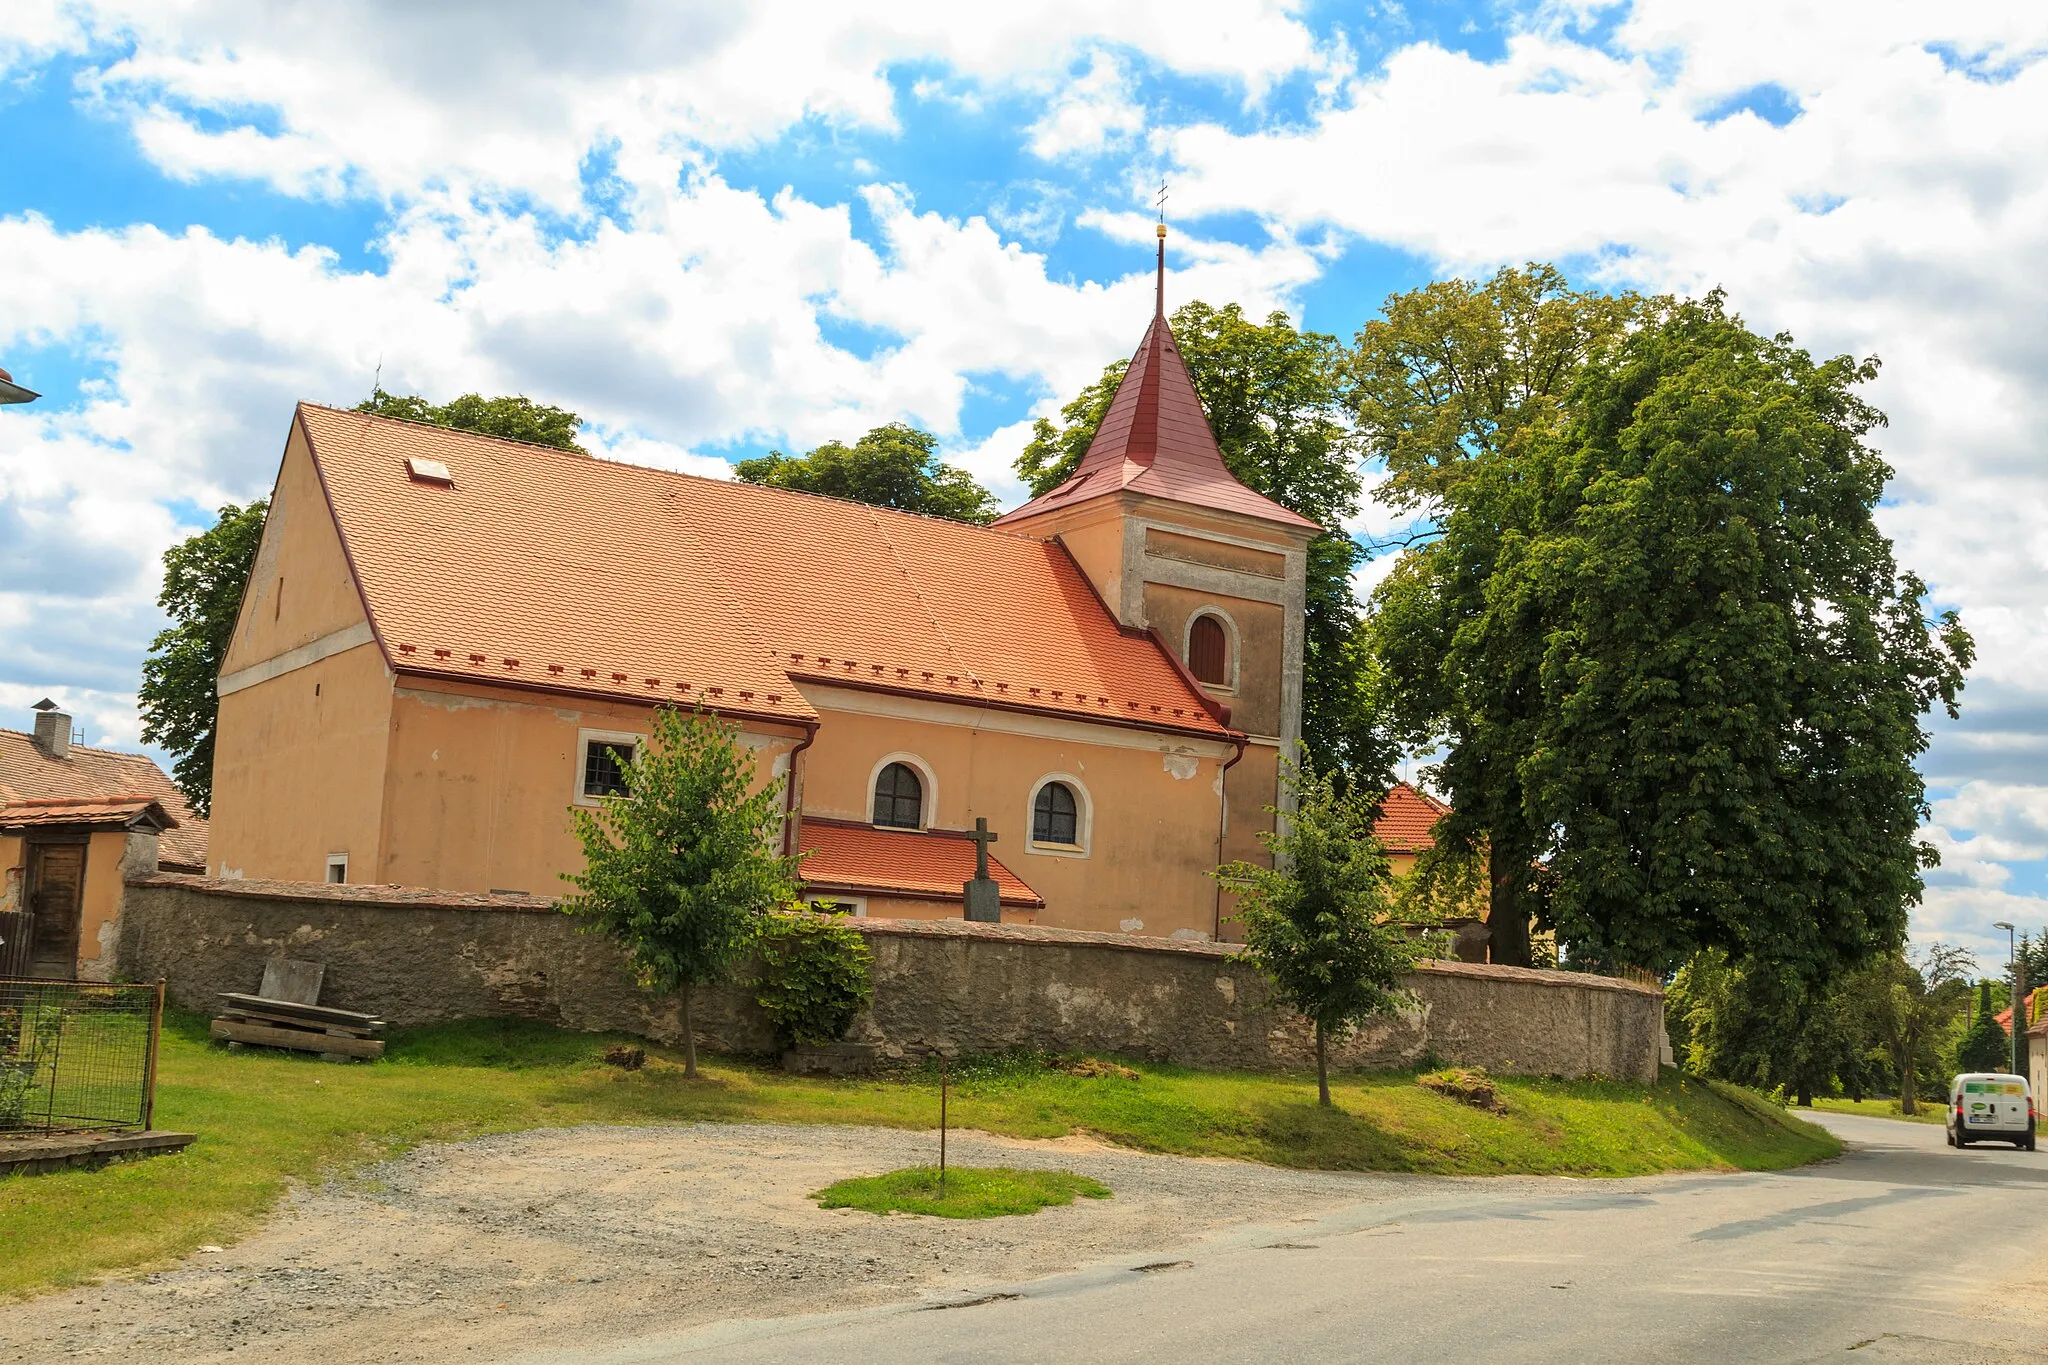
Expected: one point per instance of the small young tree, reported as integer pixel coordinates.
(1906, 1005)
(681, 867)
(1316, 923)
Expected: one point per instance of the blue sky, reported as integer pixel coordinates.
(713, 230)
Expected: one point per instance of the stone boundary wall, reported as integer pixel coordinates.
(418, 957)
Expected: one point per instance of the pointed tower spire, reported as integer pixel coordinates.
(1155, 438)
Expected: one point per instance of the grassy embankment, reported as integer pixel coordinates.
(268, 1118)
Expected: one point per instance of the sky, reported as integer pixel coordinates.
(717, 229)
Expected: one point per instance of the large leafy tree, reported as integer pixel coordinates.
(513, 417)
(681, 869)
(1318, 922)
(1450, 386)
(1275, 398)
(204, 577)
(1985, 1046)
(892, 466)
(1729, 670)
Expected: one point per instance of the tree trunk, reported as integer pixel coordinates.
(1908, 1083)
(1805, 1093)
(1507, 916)
(1322, 1066)
(689, 1037)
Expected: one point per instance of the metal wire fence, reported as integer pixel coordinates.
(77, 1056)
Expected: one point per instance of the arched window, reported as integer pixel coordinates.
(1055, 815)
(899, 797)
(1209, 651)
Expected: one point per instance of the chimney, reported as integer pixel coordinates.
(53, 729)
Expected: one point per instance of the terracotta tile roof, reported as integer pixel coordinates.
(1156, 439)
(1406, 817)
(844, 856)
(94, 786)
(545, 568)
(2004, 1016)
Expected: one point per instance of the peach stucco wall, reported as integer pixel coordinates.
(1154, 809)
(481, 781)
(298, 771)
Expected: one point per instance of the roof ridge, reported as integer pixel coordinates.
(608, 460)
(85, 748)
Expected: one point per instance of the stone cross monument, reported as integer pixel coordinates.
(984, 902)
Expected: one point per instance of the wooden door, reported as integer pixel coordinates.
(56, 886)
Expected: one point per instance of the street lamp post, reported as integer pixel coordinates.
(2018, 967)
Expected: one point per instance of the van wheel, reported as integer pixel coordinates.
(2026, 1146)
(1962, 1138)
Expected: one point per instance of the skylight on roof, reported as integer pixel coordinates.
(429, 471)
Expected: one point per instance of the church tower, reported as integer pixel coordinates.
(1177, 546)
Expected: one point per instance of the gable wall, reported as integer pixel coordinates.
(1155, 802)
(299, 754)
(301, 589)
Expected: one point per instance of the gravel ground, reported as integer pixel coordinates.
(486, 1249)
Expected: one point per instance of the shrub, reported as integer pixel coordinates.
(814, 977)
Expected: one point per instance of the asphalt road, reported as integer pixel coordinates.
(1902, 1249)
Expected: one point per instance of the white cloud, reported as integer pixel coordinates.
(1092, 112)
(509, 98)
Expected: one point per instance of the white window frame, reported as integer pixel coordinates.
(337, 862)
(1084, 819)
(584, 739)
(926, 817)
(1230, 642)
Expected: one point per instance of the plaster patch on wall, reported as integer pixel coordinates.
(1130, 926)
(1226, 988)
(1181, 764)
(570, 717)
(451, 701)
(1190, 935)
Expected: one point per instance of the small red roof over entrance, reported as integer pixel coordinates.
(917, 864)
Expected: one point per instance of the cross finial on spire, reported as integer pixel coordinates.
(1159, 295)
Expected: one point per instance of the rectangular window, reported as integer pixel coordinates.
(337, 867)
(604, 767)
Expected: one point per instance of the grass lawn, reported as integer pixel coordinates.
(267, 1118)
(969, 1191)
(1930, 1111)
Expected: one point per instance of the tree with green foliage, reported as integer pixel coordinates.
(893, 466)
(513, 418)
(1275, 399)
(1737, 1022)
(681, 869)
(204, 578)
(1733, 668)
(1907, 1006)
(1986, 1046)
(1449, 386)
(1318, 922)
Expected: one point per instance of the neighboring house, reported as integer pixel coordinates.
(72, 821)
(446, 637)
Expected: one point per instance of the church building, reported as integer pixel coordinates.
(446, 636)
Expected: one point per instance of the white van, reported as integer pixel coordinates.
(1990, 1104)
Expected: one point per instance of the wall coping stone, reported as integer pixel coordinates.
(515, 902)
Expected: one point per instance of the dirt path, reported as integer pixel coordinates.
(485, 1249)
